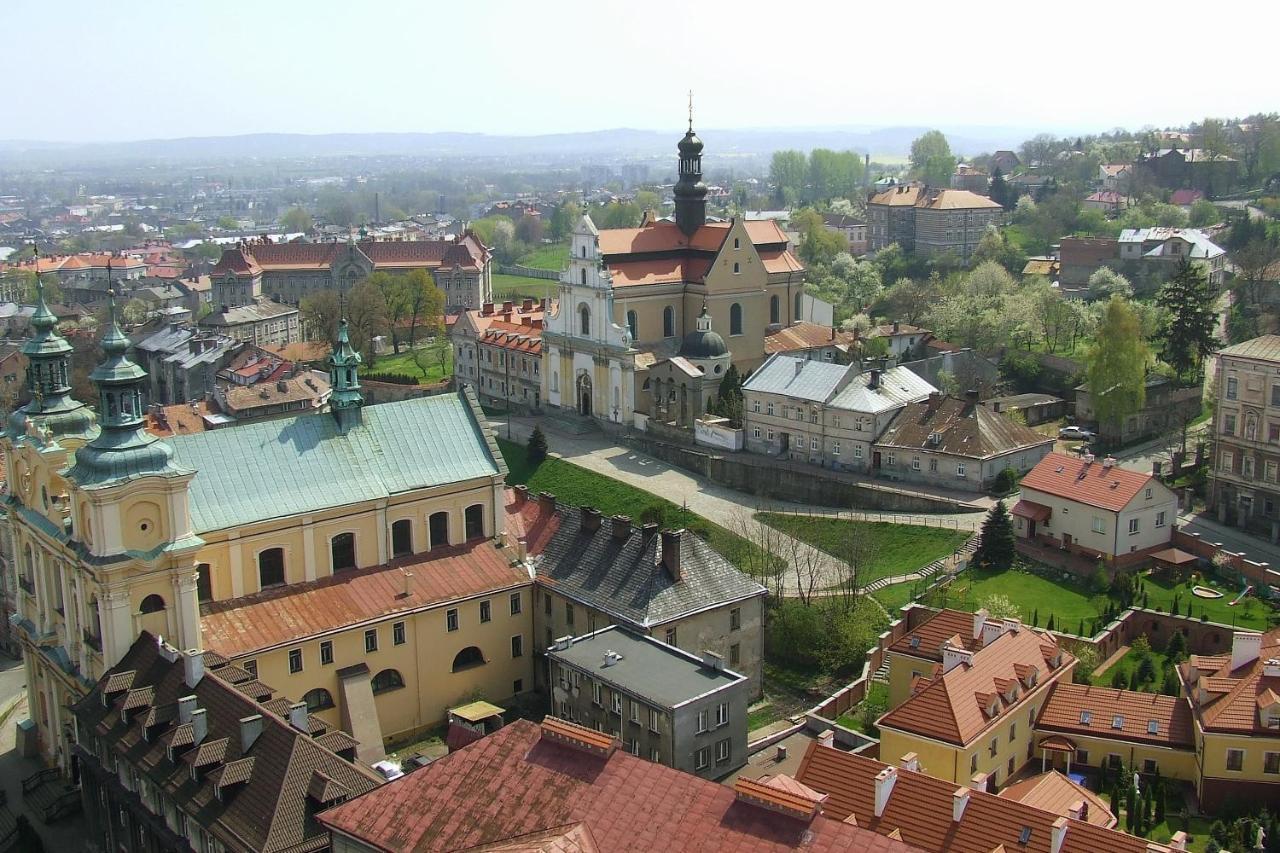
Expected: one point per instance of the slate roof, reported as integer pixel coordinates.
(269, 810)
(289, 466)
(919, 809)
(518, 786)
(964, 428)
(662, 674)
(625, 578)
(1092, 483)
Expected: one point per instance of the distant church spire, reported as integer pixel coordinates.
(690, 191)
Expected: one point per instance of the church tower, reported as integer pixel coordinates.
(690, 191)
(344, 379)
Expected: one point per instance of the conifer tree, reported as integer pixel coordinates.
(1188, 334)
(537, 447)
(996, 550)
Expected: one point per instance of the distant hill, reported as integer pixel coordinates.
(620, 142)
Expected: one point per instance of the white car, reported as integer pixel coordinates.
(1075, 433)
(389, 769)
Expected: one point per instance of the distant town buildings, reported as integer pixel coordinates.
(1245, 483)
(930, 220)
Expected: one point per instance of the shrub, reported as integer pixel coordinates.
(1006, 481)
(537, 447)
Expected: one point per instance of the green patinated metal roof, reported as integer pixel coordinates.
(278, 468)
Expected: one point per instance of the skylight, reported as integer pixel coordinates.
(1025, 835)
(1117, 722)
(1153, 727)
(1086, 717)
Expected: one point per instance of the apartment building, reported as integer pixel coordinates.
(1163, 249)
(930, 220)
(663, 704)
(509, 356)
(1245, 483)
(470, 326)
(822, 413)
(262, 323)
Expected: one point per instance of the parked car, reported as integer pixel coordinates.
(1075, 433)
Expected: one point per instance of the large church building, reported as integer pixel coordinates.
(632, 297)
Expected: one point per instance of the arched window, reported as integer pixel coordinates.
(401, 538)
(668, 322)
(775, 309)
(735, 319)
(799, 302)
(584, 250)
(439, 529)
(204, 582)
(633, 325)
(342, 550)
(468, 658)
(584, 275)
(584, 320)
(318, 699)
(152, 604)
(271, 567)
(474, 518)
(388, 679)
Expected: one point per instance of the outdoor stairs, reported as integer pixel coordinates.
(49, 796)
(569, 422)
(882, 674)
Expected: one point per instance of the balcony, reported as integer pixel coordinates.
(93, 641)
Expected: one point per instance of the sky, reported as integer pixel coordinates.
(115, 70)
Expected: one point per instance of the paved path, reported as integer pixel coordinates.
(724, 506)
(1253, 547)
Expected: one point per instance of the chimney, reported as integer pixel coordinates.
(486, 309)
(1078, 810)
(799, 365)
(1057, 835)
(910, 761)
(1271, 669)
(199, 726)
(1155, 468)
(1178, 841)
(712, 661)
(250, 728)
(298, 717)
(563, 643)
(282, 386)
(959, 799)
(547, 502)
(979, 619)
(971, 395)
(978, 782)
(522, 493)
(620, 526)
(590, 519)
(192, 667)
(522, 549)
(827, 738)
(167, 651)
(896, 326)
(186, 707)
(780, 753)
(953, 656)
(1245, 647)
(873, 381)
(671, 552)
(884, 787)
(991, 630)
(526, 306)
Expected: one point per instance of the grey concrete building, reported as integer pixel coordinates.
(182, 362)
(664, 704)
(264, 323)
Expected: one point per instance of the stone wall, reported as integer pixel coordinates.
(1259, 574)
(391, 392)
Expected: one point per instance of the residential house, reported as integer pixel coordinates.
(1094, 508)
(973, 718)
(180, 750)
(1045, 266)
(1005, 161)
(1168, 407)
(1108, 202)
(1245, 486)
(955, 444)
(918, 653)
(1034, 408)
(1115, 177)
(813, 341)
(465, 332)
(824, 414)
(262, 323)
(664, 704)
(853, 229)
(930, 220)
(509, 357)
(183, 362)
(905, 340)
(1193, 168)
(593, 572)
(1163, 249)
(1081, 257)
(970, 178)
(13, 376)
(294, 395)
(569, 787)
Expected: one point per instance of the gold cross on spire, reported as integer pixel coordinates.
(691, 110)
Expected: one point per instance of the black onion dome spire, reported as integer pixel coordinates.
(690, 192)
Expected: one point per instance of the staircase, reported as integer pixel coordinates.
(569, 422)
(49, 796)
(882, 674)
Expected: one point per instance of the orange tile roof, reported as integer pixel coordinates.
(1054, 792)
(287, 614)
(1106, 706)
(919, 811)
(658, 271)
(516, 784)
(806, 335)
(953, 707)
(780, 260)
(529, 520)
(178, 419)
(927, 638)
(666, 236)
(1235, 698)
(513, 337)
(1092, 483)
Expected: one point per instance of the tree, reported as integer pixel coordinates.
(1203, 213)
(818, 244)
(729, 397)
(564, 218)
(395, 295)
(788, 172)
(910, 299)
(932, 160)
(1116, 365)
(1176, 649)
(320, 314)
(228, 223)
(367, 317)
(426, 305)
(134, 312)
(1000, 606)
(1106, 282)
(1000, 192)
(996, 548)
(1188, 334)
(296, 219)
(536, 449)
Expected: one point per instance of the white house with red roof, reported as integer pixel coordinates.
(1095, 509)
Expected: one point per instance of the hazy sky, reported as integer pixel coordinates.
(82, 70)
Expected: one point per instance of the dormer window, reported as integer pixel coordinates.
(1117, 722)
(1086, 717)
(1153, 727)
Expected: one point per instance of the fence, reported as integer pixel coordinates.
(529, 272)
(1256, 573)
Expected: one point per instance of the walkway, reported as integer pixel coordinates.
(66, 834)
(1233, 539)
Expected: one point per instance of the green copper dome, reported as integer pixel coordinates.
(344, 375)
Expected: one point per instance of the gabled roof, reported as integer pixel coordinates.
(806, 335)
(1056, 793)
(797, 377)
(520, 785)
(919, 809)
(268, 810)
(958, 428)
(1234, 699)
(1136, 714)
(1093, 483)
(927, 638)
(277, 468)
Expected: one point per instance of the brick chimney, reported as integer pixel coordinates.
(590, 519)
(547, 502)
(620, 526)
(874, 381)
(671, 552)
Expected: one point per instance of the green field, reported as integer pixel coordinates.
(517, 286)
(404, 363)
(875, 704)
(895, 596)
(1250, 613)
(552, 257)
(893, 549)
(1031, 594)
(577, 486)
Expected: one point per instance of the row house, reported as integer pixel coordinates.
(509, 358)
(1245, 486)
(470, 326)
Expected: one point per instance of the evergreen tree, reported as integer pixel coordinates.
(1176, 650)
(728, 402)
(537, 447)
(1049, 626)
(996, 550)
(1134, 682)
(1080, 630)
(1188, 334)
(1119, 680)
(1160, 802)
(1035, 617)
(1130, 810)
(1171, 686)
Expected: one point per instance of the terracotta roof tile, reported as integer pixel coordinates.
(806, 335)
(1091, 483)
(927, 639)
(1234, 699)
(1054, 792)
(1105, 706)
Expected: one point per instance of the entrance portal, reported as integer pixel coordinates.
(584, 395)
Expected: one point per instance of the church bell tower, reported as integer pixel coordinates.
(690, 191)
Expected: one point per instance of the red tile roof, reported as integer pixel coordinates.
(514, 337)
(919, 809)
(666, 236)
(658, 271)
(286, 614)
(516, 783)
(1091, 483)
(1054, 792)
(805, 335)
(926, 640)
(1235, 700)
(529, 520)
(236, 261)
(1105, 706)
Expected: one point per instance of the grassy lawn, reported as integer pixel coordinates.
(404, 363)
(511, 287)
(1250, 613)
(579, 487)
(1031, 594)
(877, 699)
(895, 549)
(895, 596)
(550, 257)
(1130, 662)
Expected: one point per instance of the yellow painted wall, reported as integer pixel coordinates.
(902, 669)
(1214, 756)
(1172, 763)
